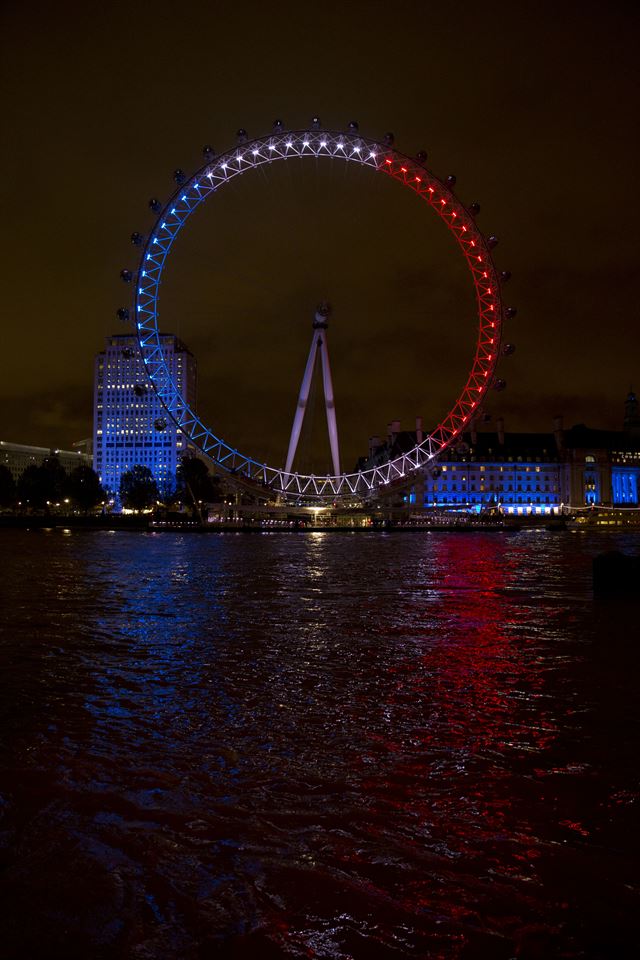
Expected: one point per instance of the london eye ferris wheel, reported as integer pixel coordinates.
(379, 156)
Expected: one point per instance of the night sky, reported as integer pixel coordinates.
(534, 107)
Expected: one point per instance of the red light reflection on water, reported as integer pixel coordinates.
(451, 780)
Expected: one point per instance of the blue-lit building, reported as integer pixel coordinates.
(484, 472)
(521, 473)
(603, 466)
(525, 473)
(625, 457)
(130, 425)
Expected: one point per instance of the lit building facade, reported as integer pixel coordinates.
(525, 473)
(625, 477)
(130, 426)
(521, 474)
(16, 457)
(625, 456)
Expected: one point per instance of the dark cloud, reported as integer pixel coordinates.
(55, 417)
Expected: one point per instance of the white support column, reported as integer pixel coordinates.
(303, 397)
(318, 343)
(330, 406)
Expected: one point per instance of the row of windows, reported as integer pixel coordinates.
(135, 412)
(459, 499)
(111, 469)
(493, 454)
(129, 425)
(120, 445)
(518, 487)
(115, 383)
(118, 359)
(482, 468)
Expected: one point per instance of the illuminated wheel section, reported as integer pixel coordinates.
(437, 198)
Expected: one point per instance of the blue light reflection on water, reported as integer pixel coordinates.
(326, 745)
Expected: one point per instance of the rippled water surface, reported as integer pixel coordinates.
(316, 745)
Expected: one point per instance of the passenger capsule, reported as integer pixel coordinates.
(509, 349)
(499, 384)
(122, 313)
(128, 353)
(155, 205)
(451, 181)
(354, 126)
(208, 152)
(179, 176)
(126, 276)
(510, 313)
(316, 123)
(160, 423)
(139, 390)
(421, 156)
(492, 241)
(241, 135)
(278, 126)
(474, 208)
(505, 275)
(388, 139)
(136, 239)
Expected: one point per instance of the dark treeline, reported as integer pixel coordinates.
(43, 486)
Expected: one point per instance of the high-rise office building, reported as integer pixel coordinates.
(130, 425)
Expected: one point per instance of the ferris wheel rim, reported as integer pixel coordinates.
(380, 157)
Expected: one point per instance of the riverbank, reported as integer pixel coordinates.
(145, 523)
(149, 524)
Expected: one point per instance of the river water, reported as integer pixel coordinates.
(294, 745)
